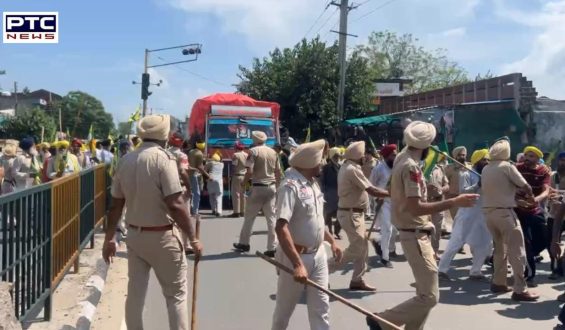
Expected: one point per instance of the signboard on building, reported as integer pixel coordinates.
(383, 89)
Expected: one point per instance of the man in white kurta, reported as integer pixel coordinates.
(380, 176)
(301, 231)
(470, 224)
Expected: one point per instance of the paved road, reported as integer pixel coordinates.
(237, 291)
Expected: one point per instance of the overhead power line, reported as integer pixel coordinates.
(197, 74)
(318, 19)
(372, 11)
(327, 20)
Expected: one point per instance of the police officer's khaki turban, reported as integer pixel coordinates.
(500, 150)
(355, 151)
(457, 151)
(258, 136)
(154, 127)
(419, 134)
(308, 155)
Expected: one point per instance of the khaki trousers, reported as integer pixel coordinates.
(262, 198)
(509, 246)
(353, 224)
(420, 255)
(162, 251)
(237, 194)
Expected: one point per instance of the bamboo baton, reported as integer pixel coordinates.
(195, 279)
(377, 210)
(328, 292)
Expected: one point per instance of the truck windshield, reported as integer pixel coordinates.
(224, 132)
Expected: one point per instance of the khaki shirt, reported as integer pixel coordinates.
(263, 160)
(438, 179)
(301, 204)
(557, 182)
(238, 161)
(195, 159)
(352, 186)
(452, 172)
(24, 165)
(499, 181)
(407, 181)
(144, 178)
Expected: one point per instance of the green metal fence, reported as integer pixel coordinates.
(42, 231)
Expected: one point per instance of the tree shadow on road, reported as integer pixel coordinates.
(537, 311)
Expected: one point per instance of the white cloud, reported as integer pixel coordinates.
(456, 32)
(545, 63)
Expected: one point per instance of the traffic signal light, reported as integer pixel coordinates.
(145, 86)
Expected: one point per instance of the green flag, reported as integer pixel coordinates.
(90, 133)
(136, 115)
(430, 161)
(307, 139)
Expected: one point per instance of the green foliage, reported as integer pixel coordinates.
(29, 123)
(124, 128)
(79, 110)
(304, 81)
(393, 56)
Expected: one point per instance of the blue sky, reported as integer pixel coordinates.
(101, 43)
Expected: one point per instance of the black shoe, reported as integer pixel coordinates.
(387, 263)
(189, 252)
(538, 259)
(270, 254)
(531, 283)
(234, 215)
(337, 236)
(241, 247)
(393, 254)
(444, 277)
(373, 324)
(377, 247)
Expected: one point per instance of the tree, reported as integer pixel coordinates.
(304, 81)
(392, 56)
(79, 110)
(29, 123)
(124, 128)
(26, 91)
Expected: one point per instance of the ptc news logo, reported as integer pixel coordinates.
(30, 27)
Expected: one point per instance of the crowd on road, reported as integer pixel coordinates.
(506, 212)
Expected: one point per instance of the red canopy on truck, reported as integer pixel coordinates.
(203, 106)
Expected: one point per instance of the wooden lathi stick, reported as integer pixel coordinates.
(328, 292)
(195, 278)
(377, 210)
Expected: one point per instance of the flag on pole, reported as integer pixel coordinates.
(136, 115)
(90, 133)
(430, 161)
(68, 134)
(372, 143)
(307, 139)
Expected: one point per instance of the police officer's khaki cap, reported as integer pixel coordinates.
(154, 127)
(419, 134)
(500, 150)
(259, 136)
(355, 150)
(308, 155)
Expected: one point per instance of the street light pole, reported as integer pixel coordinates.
(145, 71)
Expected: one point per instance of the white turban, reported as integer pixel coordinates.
(500, 150)
(308, 155)
(154, 127)
(355, 151)
(258, 137)
(419, 134)
(457, 151)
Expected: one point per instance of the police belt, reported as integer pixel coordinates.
(153, 228)
(304, 250)
(428, 232)
(263, 184)
(351, 209)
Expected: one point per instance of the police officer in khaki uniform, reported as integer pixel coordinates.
(437, 187)
(353, 189)
(500, 181)
(262, 168)
(147, 182)
(410, 214)
(238, 173)
(301, 231)
(453, 172)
